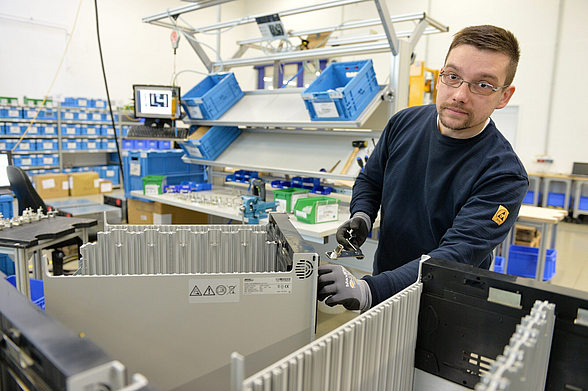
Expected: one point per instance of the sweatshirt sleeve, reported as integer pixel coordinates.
(367, 189)
(478, 228)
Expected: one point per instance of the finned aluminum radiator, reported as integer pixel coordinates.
(523, 365)
(375, 351)
(173, 302)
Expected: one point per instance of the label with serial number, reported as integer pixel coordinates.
(267, 286)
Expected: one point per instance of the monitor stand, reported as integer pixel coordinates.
(159, 122)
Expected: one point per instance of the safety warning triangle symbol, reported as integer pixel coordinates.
(196, 291)
(209, 291)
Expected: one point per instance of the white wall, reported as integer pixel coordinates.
(135, 52)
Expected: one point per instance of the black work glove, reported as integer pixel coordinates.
(359, 234)
(339, 286)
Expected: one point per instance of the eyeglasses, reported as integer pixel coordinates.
(476, 87)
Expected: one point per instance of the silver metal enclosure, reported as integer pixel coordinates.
(173, 302)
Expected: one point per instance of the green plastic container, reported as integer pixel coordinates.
(315, 210)
(153, 184)
(287, 198)
(8, 100)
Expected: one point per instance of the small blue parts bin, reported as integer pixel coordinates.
(212, 97)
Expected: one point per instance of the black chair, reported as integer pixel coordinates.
(24, 191)
(28, 197)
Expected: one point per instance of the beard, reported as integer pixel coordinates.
(466, 123)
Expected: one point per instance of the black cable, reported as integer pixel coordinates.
(108, 95)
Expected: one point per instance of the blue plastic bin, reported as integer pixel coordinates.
(107, 143)
(529, 197)
(152, 144)
(583, 204)
(71, 144)
(212, 97)
(6, 207)
(10, 112)
(128, 144)
(48, 144)
(26, 145)
(91, 144)
(164, 144)
(37, 292)
(499, 264)
(522, 261)
(15, 129)
(6, 265)
(91, 130)
(556, 199)
(139, 144)
(49, 130)
(137, 164)
(75, 102)
(212, 143)
(342, 91)
(48, 160)
(25, 160)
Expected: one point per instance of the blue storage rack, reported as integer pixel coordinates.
(349, 85)
(529, 197)
(212, 97)
(26, 145)
(137, 164)
(212, 143)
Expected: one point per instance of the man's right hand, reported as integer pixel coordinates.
(358, 236)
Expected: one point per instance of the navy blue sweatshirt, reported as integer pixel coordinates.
(454, 199)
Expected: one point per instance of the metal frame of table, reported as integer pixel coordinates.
(546, 221)
(22, 249)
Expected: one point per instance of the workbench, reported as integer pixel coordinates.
(23, 241)
(311, 232)
(546, 220)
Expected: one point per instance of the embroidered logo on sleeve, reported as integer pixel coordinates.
(500, 215)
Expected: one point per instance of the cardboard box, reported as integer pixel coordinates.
(527, 235)
(51, 185)
(83, 183)
(104, 185)
(144, 212)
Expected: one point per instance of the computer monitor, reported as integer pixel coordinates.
(5, 161)
(580, 169)
(157, 102)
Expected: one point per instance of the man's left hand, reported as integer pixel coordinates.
(339, 286)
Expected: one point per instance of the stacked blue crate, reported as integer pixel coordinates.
(6, 208)
(137, 164)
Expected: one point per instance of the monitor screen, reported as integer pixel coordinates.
(157, 101)
(5, 161)
(580, 169)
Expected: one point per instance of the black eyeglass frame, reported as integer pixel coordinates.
(469, 83)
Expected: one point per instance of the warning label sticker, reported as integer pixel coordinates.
(226, 290)
(267, 286)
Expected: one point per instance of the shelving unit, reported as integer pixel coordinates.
(86, 117)
(278, 135)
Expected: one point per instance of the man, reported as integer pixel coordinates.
(448, 183)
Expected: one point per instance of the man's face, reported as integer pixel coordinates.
(462, 114)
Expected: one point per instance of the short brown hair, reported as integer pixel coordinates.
(492, 38)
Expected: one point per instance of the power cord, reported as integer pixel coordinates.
(108, 94)
(54, 78)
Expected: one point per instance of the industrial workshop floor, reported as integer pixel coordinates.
(571, 272)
